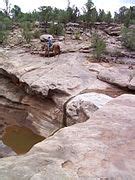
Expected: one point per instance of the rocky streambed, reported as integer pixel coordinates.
(47, 94)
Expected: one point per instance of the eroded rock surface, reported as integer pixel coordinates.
(120, 75)
(81, 107)
(5, 151)
(35, 89)
(19, 108)
(101, 148)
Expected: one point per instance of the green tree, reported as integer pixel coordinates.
(16, 11)
(46, 13)
(99, 46)
(102, 15)
(88, 11)
(128, 38)
(125, 15)
(108, 17)
(72, 14)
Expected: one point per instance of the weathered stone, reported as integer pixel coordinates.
(81, 107)
(120, 76)
(132, 84)
(54, 80)
(102, 147)
(113, 31)
(44, 37)
(5, 151)
(18, 108)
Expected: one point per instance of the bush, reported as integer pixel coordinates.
(36, 34)
(5, 26)
(128, 38)
(99, 46)
(26, 25)
(26, 28)
(27, 35)
(2, 36)
(56, 29)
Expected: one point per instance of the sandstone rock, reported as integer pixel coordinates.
(15, 38)
(132, 84)
(18, 108)
(47, 84)
(103, 148)
(132, 26)
(44, 37)
(113, 31)
(81, 107)
(61, 38)
(70, 24)
(5, 151)
(119, 76)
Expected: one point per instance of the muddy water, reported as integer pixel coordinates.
(20, 139)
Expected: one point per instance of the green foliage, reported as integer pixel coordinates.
(102, 15)
(77, 35)
(27, 35)
(5, 22)
(2, 36)
(108, 17)
(128, 38)
(72, 14)
(88, 11)
(27, 27)
(16, 11)
(5, 26)
(99, 46)
(46, 13)
(36, 34)
(125, 15)
(56, 29)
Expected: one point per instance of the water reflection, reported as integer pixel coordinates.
(20, 139)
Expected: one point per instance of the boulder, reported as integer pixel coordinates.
(81, 107)
(44, 37)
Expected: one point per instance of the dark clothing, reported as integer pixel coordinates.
(49, 42)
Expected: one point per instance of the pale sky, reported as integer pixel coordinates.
(107, 5)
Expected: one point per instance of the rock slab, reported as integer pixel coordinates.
(101, 148)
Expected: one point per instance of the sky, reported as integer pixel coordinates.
(107, 5)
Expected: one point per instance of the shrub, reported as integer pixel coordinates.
(3, 36)
(26, 25)
(56, 29)
(128, 38)
(26, 29)
(5, 26)
(36, 34)
(27, 35)
(99, 46)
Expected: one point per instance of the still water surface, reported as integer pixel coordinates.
(20, 139)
